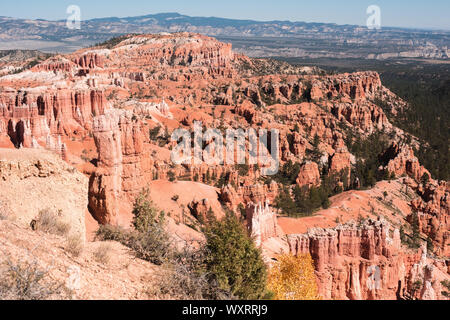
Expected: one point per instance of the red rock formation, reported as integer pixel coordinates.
(261, 222)
(120, 174)
(341, 162)
(248, 111)
(364, 262)
(65, 101)
(360, 85)
(32, 116)
(309, 175)
(200, 209)
(367, 117)
(433, 211)
(402, 161)
(248, 194)
(55, 64)
(89, 60)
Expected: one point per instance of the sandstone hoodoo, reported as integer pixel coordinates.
(92, 131)
(365, 262)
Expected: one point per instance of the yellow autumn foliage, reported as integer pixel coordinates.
(293, 278)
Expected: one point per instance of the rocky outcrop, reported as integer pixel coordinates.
(248, 194)
(200, 209)
(366, 116)
(56, 64)
(89, 60)
(119, 177)
(340, 164)
(248, 111)
(433, 213)
(111, 96)
(366, 262)
(261, 222)
(360, 85)
(174, 50)
(309, 175)
(402, 161)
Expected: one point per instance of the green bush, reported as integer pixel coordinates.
(233, 259)
(150, 240)
(288, 174)
(145, 215)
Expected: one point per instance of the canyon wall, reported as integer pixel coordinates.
(367, 262)
(29, 117)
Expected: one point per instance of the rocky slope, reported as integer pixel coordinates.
(121, 277)
(32, 181)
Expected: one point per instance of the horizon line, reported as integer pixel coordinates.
(234, 19)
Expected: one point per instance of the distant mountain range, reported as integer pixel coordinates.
(255, 38)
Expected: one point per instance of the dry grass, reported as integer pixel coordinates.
(51, 222)
(74, 245)
(185, 278)
(103, 253)
(25, 280)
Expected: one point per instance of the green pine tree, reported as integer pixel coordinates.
(234, 260)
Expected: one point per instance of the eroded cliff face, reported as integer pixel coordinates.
(401, 161)
(120, 173)
(31, 118)
(367, 262)
(432, 209)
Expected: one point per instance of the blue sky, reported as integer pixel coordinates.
(400, 13)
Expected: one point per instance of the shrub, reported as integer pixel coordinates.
(293, 278)
(306, 200)
(416, 286)
(145, 215)
(52, 223)
(112, 233)
(74, 245)
(154, 246)
(27, 281)
(416, 239)
(154, 133)
(285, 203)
(243, 169)
(288, 174)
(102, 254)
(370, 153)
(186, 278)
(150, 240)
(172, 176)
(233, 259)
(425, 179)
